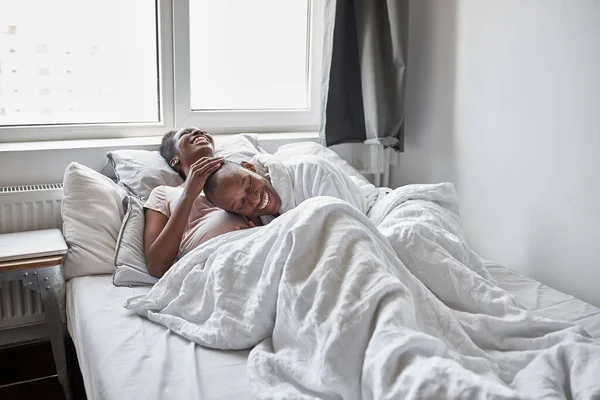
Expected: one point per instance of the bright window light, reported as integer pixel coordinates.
(78, 61)
(249, 55)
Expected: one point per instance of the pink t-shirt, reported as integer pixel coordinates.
(206, 221)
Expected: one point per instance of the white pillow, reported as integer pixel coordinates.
(315, 149)
(238, 148)
(140, 171)
(130, 261)
(92, 209)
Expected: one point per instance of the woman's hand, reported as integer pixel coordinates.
(199, 173)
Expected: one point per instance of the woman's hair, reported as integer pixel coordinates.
(167, 150)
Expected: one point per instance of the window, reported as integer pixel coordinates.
(73, 61)
(256, 57)
(114, 68)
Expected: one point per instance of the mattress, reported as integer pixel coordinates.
(124, 356)
(546, 302)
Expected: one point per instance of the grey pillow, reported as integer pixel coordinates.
(130, 261)
(140, 171)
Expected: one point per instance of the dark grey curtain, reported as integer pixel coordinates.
(364, 72)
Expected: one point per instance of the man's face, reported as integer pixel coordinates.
(244, 192)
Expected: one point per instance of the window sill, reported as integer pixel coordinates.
(45, 162)
(270, 141)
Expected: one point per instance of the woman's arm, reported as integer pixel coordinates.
(162, 235)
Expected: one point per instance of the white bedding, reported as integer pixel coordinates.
(125, 357)
(405, 310)
(544, 301)
(111, 367)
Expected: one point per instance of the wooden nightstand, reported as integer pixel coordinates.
(36, 258)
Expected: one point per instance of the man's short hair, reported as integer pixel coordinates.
(211, 183)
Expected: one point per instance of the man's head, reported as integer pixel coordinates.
(238, 188)
(184, 147)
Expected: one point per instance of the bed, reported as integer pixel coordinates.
(123, 356)
(314, 335)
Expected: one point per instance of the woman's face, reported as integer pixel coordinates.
(191, 144)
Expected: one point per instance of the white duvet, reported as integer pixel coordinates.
(390, 306)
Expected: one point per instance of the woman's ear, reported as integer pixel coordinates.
(249, 166)
(173, 162)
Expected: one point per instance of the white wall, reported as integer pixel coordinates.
(504, 100)
(23, 165)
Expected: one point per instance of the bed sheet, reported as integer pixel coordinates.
(545, 301)
(123, 356)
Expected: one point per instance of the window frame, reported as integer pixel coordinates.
(174, 92)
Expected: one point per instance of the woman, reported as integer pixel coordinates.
(178, 219)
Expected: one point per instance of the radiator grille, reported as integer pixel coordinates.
(30, 188)
(19, 301)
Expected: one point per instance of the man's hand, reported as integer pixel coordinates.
(255, 221)
(242, 227)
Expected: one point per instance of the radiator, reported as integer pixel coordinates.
(369, 159)
(31, 207)
(25, 208)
